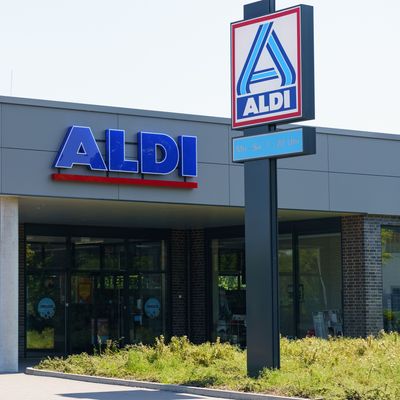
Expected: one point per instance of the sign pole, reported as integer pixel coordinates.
(261, 232)
(272, 61)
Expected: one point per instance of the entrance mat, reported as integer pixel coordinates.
(225, 394)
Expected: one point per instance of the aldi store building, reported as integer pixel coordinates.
(121, 224)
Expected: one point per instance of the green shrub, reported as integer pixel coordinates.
(334, 369)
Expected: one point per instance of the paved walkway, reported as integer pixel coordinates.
(27, 387)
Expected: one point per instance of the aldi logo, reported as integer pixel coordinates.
(267, 60)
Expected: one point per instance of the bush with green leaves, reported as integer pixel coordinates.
(333, 369)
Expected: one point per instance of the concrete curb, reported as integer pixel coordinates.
(225, 394)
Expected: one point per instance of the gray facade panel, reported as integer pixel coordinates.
(364, 193)
(39, 128)
(28, 172)
(303, 190)
(236, 185)
(316, 162)
(364, 155)
(213, 189)
(212, 138)
(233, 134)
(362, 166)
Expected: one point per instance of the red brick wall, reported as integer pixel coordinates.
(354, 312)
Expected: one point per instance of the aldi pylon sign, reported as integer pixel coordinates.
(272, 60)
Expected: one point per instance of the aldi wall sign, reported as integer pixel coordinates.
(272, 60)
(157, 154)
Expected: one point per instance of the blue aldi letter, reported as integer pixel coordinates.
(158, 153)
(79, 147)
(188, 161)
(115, 150)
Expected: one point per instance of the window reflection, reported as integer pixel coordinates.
(391, 277)
(45, 252)
(229, 290)
(145, 255)
(320, 286)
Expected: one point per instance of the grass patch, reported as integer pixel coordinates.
(334, 369)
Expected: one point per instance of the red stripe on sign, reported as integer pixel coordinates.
(124, 181)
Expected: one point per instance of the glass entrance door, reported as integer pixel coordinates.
(97, 311)
(45, 307)
(84, 291)
(146, 311)
(82, 310)
(98, 300)
(45, 260)
(109, 322)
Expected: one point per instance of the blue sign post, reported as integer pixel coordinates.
(272, 69)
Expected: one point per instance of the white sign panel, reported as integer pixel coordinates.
(266, 69)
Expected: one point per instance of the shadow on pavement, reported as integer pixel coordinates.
(132, 395)
(27, 362)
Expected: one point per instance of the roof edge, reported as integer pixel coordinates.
(112, 110)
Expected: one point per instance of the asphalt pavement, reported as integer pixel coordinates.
(20, 386)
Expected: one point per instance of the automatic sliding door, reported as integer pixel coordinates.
(82, 311)
(146, 316)
(111, 310)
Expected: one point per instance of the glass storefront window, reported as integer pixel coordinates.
(391, 277)
(286, 287)
(229, 292)
(146, 256)
(229, 289)
(86, 252)
(320, 285)
(82, 294)
(146, 307)
(114, 254)
(45, 312)
(310, 286)
(44, 252)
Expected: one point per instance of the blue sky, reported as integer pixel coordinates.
(174, 56)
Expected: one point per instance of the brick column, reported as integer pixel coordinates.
(354, 313)
(178, 280)
(373, 275)
(362, 274)
(198, 287)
